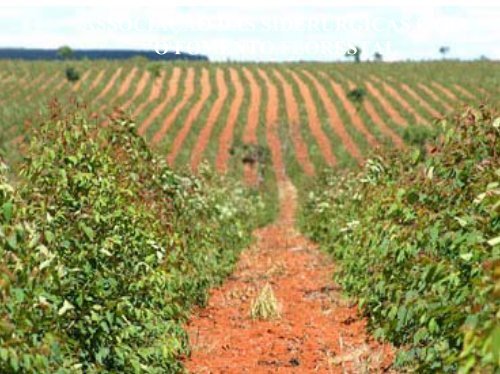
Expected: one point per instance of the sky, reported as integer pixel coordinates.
(260, 32)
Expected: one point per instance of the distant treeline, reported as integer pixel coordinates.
(93, 54)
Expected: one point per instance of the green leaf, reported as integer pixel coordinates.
(495, 241)
(7, 209)
(65, 307)
(466, 256)
(87, 230)
(12, 241)
(49, 236)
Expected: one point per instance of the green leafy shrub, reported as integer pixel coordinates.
(72, 75)
(417, 243)
(155, 69)
(420, 135)
(104, 249)
(357, 95)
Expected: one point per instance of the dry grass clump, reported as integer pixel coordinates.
(265, 306)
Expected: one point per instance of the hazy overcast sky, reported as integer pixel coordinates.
(261, 33)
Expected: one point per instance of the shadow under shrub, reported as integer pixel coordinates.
(103, 250)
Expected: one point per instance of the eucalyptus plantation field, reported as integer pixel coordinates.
(366, 196)
(192, 112)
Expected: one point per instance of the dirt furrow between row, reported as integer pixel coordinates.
(143, 81)
(386, 105)
(352, 112)
(450, 95)
(292, 110)
(226, 137)
(314, 121)
(424, 104)
(191, 117)
(205, 133)
(396, 96)
(435, 97)
(250, 172)
(272, 135)
(172, 88)
(169, 120)
(379, 122)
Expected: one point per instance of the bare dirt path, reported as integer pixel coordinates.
(292, 110)
(314, 121)
(226, 137)
(319, 331)
(204, 136)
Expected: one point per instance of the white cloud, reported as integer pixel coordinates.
(260, 33)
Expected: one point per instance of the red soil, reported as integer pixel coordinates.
(125, 86)
(319, 330)
(391, 91)
(154, 94)
(82, 79)
(450, 95)
(250, 134)
(424, 104)
(250, 131)
(464, 92)
(292, 111)
(12, 83)
(97, 80)
(172, 89)
(314, 121)
(188, 92)
(386, 105)
(204, 136)
(352, 112)
(60, 85)
(272, 134)
(122, 90)
(37, 88)
(379, 122)
(110, 84)
(143, 81)
(435, 97)
(226, 137)
(191, 117)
